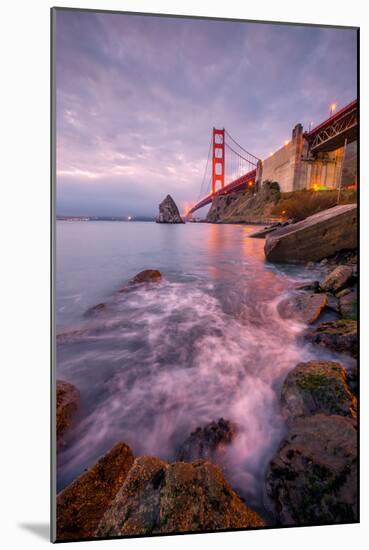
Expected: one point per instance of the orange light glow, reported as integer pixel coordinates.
(186, 208)
(333, 107)
(270, 154)
(283, 211)
(250, 183)
(315, 187)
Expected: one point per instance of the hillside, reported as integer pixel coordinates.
(269, 204)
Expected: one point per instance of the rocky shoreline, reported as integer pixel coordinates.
(312, 477)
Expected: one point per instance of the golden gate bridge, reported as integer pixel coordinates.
(221, 177)
(240, 170)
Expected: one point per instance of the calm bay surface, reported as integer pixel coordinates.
(206, 342)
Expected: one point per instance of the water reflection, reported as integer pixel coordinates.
(206, 342)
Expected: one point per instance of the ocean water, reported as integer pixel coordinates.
(206, 342)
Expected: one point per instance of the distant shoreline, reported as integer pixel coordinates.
(104, 219)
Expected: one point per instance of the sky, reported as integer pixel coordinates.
(137, 98)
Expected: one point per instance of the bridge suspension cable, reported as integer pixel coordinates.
(252, 158)
(237, 163)
(204, 188)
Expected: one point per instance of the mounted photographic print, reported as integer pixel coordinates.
(205, 275)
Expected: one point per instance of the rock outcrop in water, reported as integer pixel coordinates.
(303, 306)
(158, 497)
(95, 310)
(314, 238)
(208, 442)
(67, 403)
(81, 505)
(339, 336)
(121, 496)
(312, 478)
(337, 279)
(147, 276)
(348, 303)
(317, 387)
(168, 211)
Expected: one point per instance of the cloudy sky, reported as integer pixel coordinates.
(137, 98)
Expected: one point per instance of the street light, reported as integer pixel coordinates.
(333, 108)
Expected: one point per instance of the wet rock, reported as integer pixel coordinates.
(75, 335)
(339, 336)
(348, 304)
(337, 279)
(351, 377)
(158, 497)
(317, 387)
(81, 505)
(312, 479)
(333, 303)
(95, 310)
(263, 232)
(309, 285)
(168, 211)
(207, 442)
(303, 306)
(344, 257)
(315, 237)
(147, 276)
(67, 403)
(343, 292)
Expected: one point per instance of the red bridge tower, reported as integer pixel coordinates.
(218, 160)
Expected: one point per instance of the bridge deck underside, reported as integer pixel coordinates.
(331, 143)
(332, 133)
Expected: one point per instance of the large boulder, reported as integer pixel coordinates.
(339, 336)
(337, 279)
(67, 403)
(168, 211)
(317, 387)
(158, 497)
(303, 306)
(314, 238)
(207, 442)
(81, 505)
(312, 478)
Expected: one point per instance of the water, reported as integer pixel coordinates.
(207, 342)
